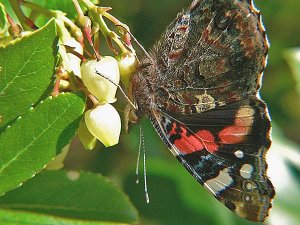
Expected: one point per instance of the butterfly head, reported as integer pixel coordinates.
(140, 93)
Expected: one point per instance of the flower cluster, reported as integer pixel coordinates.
(99, 74)
(100, 78)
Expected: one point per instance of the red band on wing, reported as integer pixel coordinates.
(187, 144)
(233, 134)
(237, 132)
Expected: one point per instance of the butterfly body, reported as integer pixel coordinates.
(200, 90)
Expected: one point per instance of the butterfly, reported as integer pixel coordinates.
(200, 88)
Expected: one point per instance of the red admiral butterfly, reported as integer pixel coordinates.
(200, 90)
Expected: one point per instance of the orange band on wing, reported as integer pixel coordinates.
(187, 144)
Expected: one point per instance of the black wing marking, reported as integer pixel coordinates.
(236, 172)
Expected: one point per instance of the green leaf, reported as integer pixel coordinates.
(65, 196)
(9, 10)
(172, 189)
(66, 6)
(2, 17)
(34, 139)
(26, 72)
(293, 59)
(9, 217)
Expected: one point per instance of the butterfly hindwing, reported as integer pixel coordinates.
(225, 151)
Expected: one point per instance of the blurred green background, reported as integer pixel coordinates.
(175, 197)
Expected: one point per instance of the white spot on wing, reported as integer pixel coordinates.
(247, 198)
(249, 186)
(246, 171)
(220, 182)
(239, 154)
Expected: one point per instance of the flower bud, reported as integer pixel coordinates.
(103, 89)
(127, 65)
(58, 162)
(74, 61)
(104, 123)
(68, 60)
(86, 138)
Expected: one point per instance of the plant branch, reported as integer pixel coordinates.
(26, 23)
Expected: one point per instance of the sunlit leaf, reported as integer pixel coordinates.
(37, 137)
(72, 197)
(26, 71)
(2, 17)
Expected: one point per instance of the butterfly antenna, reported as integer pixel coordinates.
(145, 172)
(120, 88)
(137, 42)
(142, 145)
(138, 157)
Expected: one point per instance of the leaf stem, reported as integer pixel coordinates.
(96, 14)
(75, 30)
(88, 4)
(26, 23)
(38, 8)
(86, 25)
(93, 99)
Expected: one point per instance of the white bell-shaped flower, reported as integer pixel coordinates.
(86, 138)
(58, 162)
(74, 61)
(104, 123)
(103, 89)
(69, 61)
(127, 66)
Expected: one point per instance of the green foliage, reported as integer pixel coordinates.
(27, 69)
(65, 6)
(2, 17)
(292, 57)
(26, 72)
(37, 137)
(60, 197)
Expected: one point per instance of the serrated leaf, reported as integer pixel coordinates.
(26, 72)
(70, 198)
(33, 140)
(2, 16)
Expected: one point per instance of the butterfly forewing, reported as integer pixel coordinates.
(225, 151)
(216, 48)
